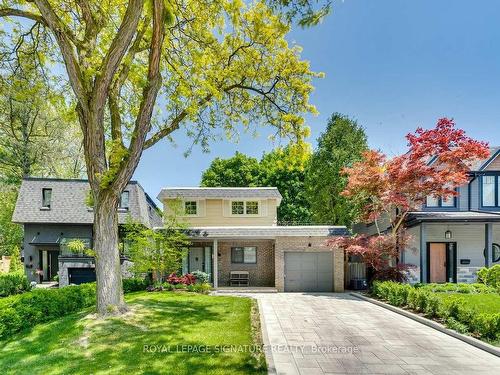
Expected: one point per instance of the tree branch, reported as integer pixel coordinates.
(174, 125)
(64, 40)
(115, 54)
(11, 12)
(149, 94)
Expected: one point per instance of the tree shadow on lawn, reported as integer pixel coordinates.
(78, 344)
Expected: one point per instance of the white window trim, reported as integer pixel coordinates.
(244, 214)
(184, 208)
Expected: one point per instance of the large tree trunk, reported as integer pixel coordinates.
(109, 278)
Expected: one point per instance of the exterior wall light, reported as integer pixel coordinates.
(448, 235)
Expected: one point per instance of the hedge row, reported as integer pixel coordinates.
(42, 305)
(22, 311)
(13, 283)
(476, 288)
(134, 285)
(453, 311)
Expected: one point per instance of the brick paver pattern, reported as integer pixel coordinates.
(313, 334)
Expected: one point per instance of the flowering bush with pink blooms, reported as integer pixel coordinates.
(186, 279)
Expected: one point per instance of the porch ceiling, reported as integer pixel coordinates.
(266, 232)
(416, 218)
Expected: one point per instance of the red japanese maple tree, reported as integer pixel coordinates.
(438, 160)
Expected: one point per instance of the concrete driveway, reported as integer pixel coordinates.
(340, 334)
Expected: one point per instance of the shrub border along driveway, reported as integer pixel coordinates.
(430, 323)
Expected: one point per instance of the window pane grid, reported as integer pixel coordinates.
(237, 208)
(252, 208)
(190, 208)
(432, 201)
(489, 188)
(247, 254)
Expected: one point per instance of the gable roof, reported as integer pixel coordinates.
(479, 165)
(220, 193)
(68, 203)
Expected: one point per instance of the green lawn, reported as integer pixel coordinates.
(483, 303)
(80, 344)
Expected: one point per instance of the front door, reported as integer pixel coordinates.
(437, 263)
(196, 259)
(49, 264)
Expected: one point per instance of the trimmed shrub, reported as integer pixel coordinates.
(452, 310)
(42, 305)
(487, 325)
(135, 284)
(490, 276)
(203, 288)
(201, 277)
(457, 288)
(432, 305)
(13, 283)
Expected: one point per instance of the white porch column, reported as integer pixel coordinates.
(488, 241)
(215, 269)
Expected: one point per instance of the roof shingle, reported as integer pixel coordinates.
(219, 193)
(68, 203)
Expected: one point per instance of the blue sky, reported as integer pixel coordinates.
(391, 64)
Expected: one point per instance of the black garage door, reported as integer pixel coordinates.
(81, 275)
(308, 272)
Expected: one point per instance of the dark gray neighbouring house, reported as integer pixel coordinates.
(452, 239)
(55, 211)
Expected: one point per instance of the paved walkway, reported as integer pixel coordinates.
(339, 334)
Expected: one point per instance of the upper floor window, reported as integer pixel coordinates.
(238, 208)
(124, 200)
(46, 198)
(190, 208)
(244, 207)
(434, 202)
(489, 191)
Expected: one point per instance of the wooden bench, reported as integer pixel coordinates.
(239, 278)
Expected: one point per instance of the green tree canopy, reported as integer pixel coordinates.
(237, 171)
(39, 133)
(11, 234)
(141, 69)
(339, 146)
(284, 168)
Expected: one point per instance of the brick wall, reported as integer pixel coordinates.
(307, 244)
(260, 274)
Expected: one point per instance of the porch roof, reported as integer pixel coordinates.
(268, 231)
(415, 218)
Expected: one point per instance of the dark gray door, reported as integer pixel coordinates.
(308, 272)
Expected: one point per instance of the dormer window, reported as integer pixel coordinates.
(46, 198)
(124, 200)
(244, 208)
(191, 208)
